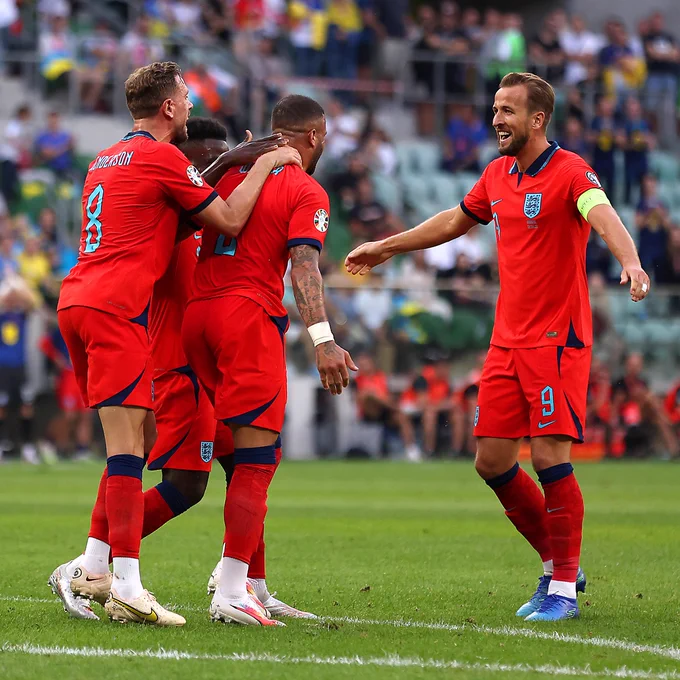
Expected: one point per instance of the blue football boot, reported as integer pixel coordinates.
(542, 592)
(555, 608)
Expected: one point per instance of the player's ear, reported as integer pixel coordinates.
(312, 138)
(168, 108)
(538, 120)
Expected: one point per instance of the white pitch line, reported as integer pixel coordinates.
(506, 631)
(391, 661)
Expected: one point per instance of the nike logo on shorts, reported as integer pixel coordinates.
(549, 510)
(542, 425)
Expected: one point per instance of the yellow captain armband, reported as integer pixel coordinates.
(589, 199)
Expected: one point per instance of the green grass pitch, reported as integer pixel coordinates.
(415, 568)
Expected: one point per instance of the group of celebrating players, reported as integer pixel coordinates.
(175, 325)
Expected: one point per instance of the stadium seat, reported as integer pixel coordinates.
(664, 165)
(416, 189)
(427, 157)
(445, 190)
(636, 336)
(465, 181)
(404, 153)
(487, 152)
(388, 192)
(627, 215)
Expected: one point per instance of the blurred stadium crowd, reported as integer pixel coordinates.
(407, 95)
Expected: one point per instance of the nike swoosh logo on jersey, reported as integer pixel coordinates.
(494, 202)
(542, 425)
(554, 509)
(149, 617)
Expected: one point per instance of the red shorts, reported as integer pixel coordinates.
(111, 357)
(185, 423)
(68, 393)
(238, 353)
(533, 392)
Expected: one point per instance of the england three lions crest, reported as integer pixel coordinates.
(532, 205)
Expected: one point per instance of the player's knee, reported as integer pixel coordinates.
(190, 484)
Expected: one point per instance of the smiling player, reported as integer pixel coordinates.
(542, 201)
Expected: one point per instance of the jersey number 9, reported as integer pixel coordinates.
(93, 228)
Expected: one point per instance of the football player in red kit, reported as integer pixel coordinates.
(132, 199)
(233, 335)
(542, 201)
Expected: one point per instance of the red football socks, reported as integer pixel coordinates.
(161, 503)
(257, 567)
(524, 507)
(564, 517)
(246, 504)
(99, 525)
(125, 504)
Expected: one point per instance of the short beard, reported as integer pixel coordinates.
(515, 146)
(181, 136)
(314, 162)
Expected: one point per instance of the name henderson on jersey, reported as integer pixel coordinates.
(117, 160)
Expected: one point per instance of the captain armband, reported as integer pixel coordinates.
(589, 199)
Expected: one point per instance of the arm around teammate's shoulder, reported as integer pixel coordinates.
(229, 215)
(443, 227)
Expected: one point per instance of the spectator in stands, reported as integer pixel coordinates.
(574, 138)
(186, 20)
(15, 152)
(581, 48)
(307, 35)
(95, 68)
(344, 130)
(464, 413)
(471, 26)
(642, 413)
(47, 225)
(344, 183)
(217, 17)
(73, 429)
(623, 71)
(511, 46)
(453, 44)
(370, 220)
(379, 152)
(138, 47)
(636, 140)
(488, 56)
(602, 137)
(671, 272)
(8, 257)
(344, 32)
(34, 265)
(429, 403)
(672, 407)
(54, 147)
(374, 401)
(653, 223)
(663, 65)
(418, 281)
(16, 303)
(546, 52)
(57, 54)
(426, 48)
(465, 135)
(392, 17)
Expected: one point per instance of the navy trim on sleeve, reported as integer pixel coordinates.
(204, 204)
(471, 215)
(305, 242)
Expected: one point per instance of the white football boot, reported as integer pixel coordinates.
(75, 603)
(248, 611)
(143, 609)
(276, 608)
(214, 580)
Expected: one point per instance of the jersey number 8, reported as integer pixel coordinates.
(93, 228)
(221, 249)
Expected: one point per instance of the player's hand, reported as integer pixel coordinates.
(639, 282)
(248, 151)
(368, 255)
(284, 155)
(332, 363)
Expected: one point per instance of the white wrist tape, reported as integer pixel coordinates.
(320, 333)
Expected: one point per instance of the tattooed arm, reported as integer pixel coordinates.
(332, 361)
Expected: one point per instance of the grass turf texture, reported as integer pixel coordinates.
(376, 542)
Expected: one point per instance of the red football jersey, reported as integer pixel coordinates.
(133, 195)
(171, 294)
(292, 210)
(541, 239)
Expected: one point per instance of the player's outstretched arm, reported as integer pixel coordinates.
(607, 223)
(332, 361)
(229, 216)
(443, 227)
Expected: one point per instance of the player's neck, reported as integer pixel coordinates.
(531, 151)
(160, 131)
